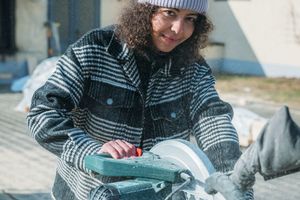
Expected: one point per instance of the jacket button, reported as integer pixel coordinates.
(109, 101)
(173, 115)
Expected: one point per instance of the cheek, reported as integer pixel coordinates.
(155, 26)
(189, 31)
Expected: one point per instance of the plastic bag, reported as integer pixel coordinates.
(39, 76)
(248, 125)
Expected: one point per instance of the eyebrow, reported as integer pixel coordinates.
(195, 14)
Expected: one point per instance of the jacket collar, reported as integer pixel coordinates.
(125, 55)
(116, 47)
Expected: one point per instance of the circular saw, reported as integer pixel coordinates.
(172, 169)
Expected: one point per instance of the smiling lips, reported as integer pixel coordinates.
(169, 39)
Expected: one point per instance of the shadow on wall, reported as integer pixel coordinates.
(234, 53)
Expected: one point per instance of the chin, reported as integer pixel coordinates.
(166, 50)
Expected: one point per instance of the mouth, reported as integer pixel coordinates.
(170, 39)
(166, 42)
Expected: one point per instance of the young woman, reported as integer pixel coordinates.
(133, 85)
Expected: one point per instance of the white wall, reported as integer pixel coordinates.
(31, 35)
(257, 34)
(260, 37)
(31, 40)
(110, 10)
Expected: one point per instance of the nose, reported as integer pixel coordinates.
(178, 26)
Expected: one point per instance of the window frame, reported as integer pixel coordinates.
(7, 27)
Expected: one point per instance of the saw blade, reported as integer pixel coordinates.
(188, 156)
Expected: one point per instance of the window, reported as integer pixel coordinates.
(7, 26)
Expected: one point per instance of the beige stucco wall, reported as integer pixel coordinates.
(260, 37)
(110, 10)
(31, 38)
(263, 31)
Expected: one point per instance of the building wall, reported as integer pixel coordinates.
(75, 18)
(256, 37)
(260, 37)
(31, 39)
(110, 10)
(31, 32)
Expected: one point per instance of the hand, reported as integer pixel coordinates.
(219, 182)
(119, 149)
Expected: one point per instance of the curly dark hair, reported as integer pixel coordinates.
(135, 29)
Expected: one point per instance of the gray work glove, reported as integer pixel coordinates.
(276, 152)
(222, 183)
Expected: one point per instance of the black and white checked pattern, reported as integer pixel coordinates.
(61, 124)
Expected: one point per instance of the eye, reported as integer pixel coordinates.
(192, 19)
(169, 13)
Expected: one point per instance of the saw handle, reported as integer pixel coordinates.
(139, 152)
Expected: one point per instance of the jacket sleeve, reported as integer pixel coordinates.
(211, 121)
(50, 120)
(212, 125)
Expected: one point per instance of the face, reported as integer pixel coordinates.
(171, 27)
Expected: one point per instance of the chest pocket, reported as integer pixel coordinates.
(112, 97)
(115, 104)
(169, 118)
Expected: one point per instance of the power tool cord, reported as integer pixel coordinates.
(187, 179)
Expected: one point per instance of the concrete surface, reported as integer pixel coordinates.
(27, 171)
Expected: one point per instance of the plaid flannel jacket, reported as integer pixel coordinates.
(94, 96)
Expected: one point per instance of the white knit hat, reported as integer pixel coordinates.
(199, 6)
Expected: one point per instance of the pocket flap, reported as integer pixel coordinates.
(112, 96)
(170, 111)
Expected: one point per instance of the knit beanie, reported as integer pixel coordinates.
(199, 6)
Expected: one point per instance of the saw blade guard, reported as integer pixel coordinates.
(188, 156)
